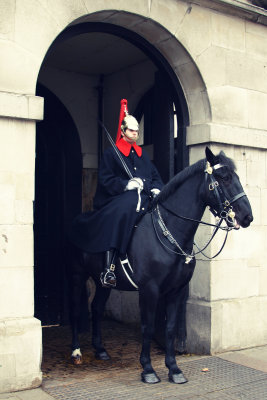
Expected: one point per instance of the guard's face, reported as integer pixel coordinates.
(130, 135)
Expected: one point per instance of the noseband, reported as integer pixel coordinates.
(224, 211)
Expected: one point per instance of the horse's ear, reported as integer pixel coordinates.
(210, 156)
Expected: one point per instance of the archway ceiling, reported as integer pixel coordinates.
(93, 54)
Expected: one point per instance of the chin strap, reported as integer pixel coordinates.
(130, 137)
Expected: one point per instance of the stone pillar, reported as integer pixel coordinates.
(20, 332)
(228, 297)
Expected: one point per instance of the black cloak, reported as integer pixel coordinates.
(111, 223)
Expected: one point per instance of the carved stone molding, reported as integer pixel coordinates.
(260, 3)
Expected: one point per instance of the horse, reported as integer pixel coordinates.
(161, 255)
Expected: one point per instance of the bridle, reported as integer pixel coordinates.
(223, 211)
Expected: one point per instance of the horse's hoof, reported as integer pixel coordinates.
(76, 360)
(150, 378)
(177, 378)
(103, 355)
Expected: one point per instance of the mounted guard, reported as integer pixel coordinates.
(127, 181)
(161, 251)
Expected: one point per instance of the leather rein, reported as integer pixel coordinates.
(225, 213)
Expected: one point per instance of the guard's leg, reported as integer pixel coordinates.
(108, 277)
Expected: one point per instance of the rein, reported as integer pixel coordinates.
(168, 235)
(224, 228)
(225, 212)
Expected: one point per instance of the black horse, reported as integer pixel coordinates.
(161, 254)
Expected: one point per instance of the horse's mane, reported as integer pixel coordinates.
(191, 170)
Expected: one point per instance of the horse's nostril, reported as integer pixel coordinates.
(247, 220)
(250, 218)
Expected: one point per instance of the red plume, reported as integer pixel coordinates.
(123, 113)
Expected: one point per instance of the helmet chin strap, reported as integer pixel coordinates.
(130, 137)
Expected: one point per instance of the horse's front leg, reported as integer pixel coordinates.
(98, 307)
(148, 303)
(172, 305)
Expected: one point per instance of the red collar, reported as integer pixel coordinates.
(125, 147)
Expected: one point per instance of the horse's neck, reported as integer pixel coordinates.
(186, 201)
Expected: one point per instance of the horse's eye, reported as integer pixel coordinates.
(226, 178)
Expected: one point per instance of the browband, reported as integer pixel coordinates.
(217, 166)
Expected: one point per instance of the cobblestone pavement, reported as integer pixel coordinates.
(209, 377)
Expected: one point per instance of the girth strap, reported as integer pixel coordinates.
(126, 263)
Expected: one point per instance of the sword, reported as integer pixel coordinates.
(116, 150)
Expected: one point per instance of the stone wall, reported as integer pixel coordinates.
(226, 309)
(228, 294)
(20, 333)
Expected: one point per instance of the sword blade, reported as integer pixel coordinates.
(116, 150)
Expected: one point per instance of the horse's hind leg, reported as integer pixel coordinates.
(98, 307)
(172, 304)
(77, 285)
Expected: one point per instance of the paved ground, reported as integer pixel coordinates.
(229, 376)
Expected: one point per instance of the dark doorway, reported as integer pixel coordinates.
(58, 188)
(161, 119)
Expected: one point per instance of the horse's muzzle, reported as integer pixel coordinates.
(246, 221)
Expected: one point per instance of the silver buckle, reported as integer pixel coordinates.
(213, 185)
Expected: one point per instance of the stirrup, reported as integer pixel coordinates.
(108, 278)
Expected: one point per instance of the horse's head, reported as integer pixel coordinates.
(226, 196)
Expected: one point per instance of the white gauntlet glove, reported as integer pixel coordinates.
(155, 192)
(135, 183)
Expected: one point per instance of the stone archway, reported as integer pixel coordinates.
(82, 27)
(24, 47)
(178, 60)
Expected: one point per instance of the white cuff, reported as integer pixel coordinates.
(155, 191)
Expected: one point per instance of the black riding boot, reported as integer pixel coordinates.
(107, 277)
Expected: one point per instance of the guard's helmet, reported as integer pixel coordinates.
(129, 122)
(126, 121)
